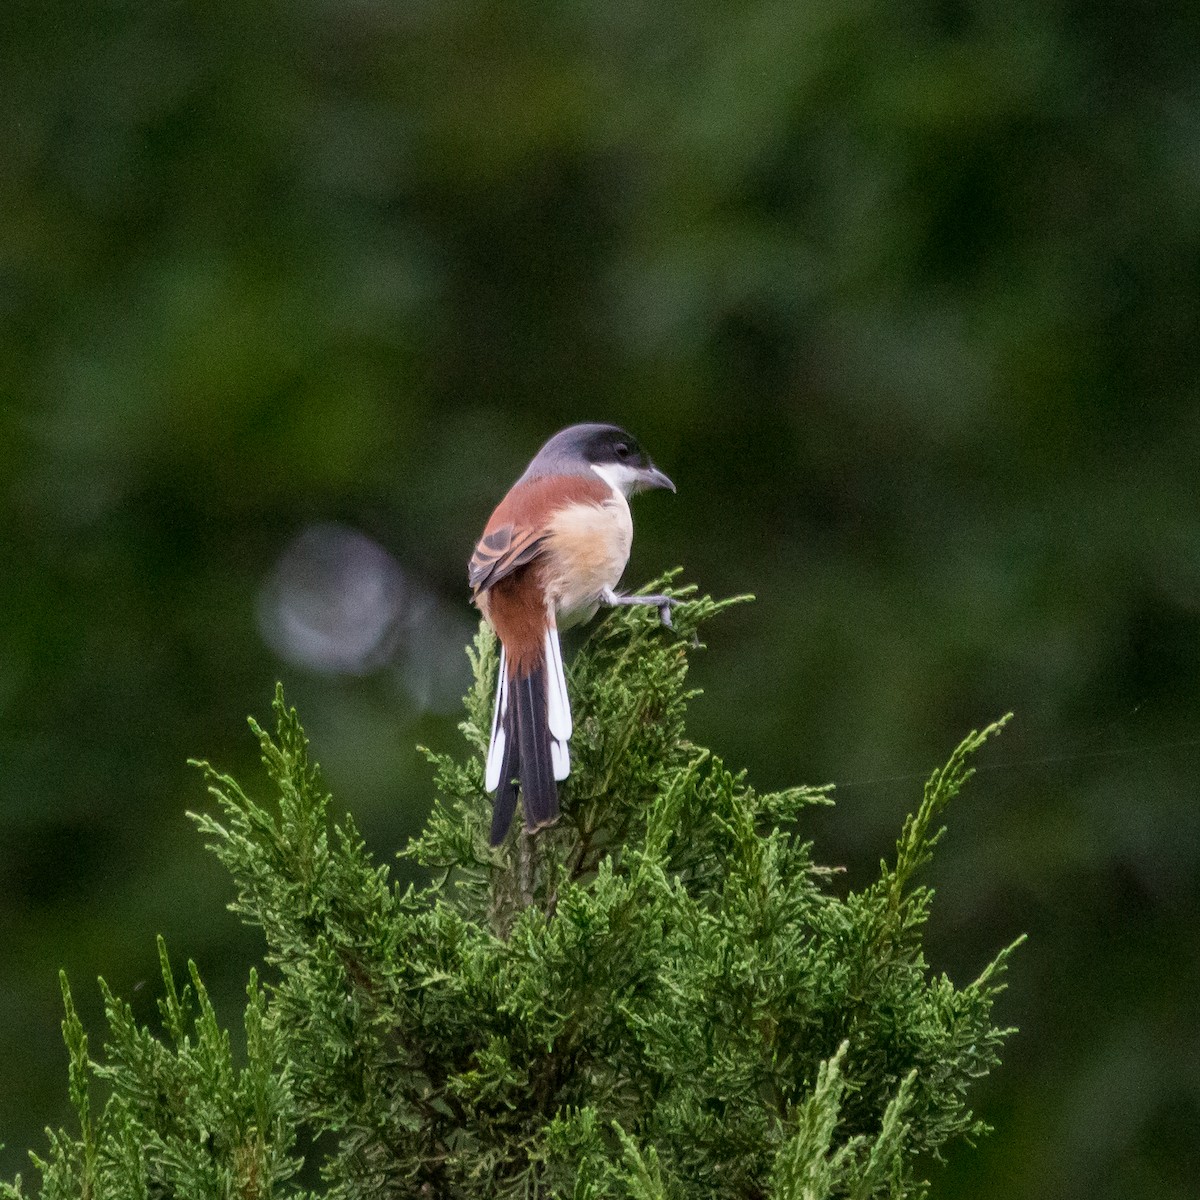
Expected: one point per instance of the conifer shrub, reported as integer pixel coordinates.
(663, 997)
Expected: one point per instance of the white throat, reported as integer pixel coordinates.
(622, 479)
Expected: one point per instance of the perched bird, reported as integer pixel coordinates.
(551, 554)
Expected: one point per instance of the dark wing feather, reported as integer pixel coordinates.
(500, 552)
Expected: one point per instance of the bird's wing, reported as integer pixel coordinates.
(501, 551)
(516, 533)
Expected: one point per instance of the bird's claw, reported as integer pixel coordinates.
(664, 604)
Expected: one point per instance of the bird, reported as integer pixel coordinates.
(551, 554)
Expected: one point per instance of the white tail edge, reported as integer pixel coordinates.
(560, 758)
(557, 701)
(558, 705)
(495, 755)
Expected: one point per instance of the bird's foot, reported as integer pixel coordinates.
(664, 604)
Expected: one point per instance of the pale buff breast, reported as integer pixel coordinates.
(587, 547)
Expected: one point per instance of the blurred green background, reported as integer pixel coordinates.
(904, 297)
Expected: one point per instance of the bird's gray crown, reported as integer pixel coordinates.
(578, 448)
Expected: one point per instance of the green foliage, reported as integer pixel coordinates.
(663, 997)
(180, 1119)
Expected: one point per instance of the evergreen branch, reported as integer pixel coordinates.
(78, 1072)
(808, 1167)
(919, 837)
(659, 998)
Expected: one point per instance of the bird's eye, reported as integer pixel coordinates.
(621, 449)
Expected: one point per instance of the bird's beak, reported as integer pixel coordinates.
(652, 477)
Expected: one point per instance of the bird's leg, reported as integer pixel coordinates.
(662, 603)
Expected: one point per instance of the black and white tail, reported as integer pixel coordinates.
(531, 726)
